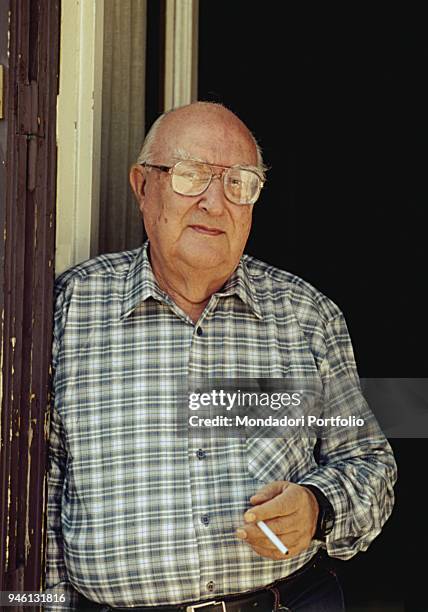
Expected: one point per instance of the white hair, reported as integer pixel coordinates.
(147, 153)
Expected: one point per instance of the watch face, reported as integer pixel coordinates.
(327, 522)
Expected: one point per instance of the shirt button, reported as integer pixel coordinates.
(205, 519)
(210, 586)
(201, 454)
(199, 331)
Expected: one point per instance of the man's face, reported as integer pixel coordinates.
(206, 231)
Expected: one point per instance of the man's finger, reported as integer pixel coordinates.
(263, 546)
(280, 526)
(269, 491)
(254, 536)
(284, 524)
(285, 503)
(252, 532)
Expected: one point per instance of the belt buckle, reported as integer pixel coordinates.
(205, 605)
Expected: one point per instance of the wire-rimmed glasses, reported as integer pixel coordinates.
(191, 178)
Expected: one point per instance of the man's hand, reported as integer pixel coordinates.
(290, 510)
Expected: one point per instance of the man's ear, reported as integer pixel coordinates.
(137, 178)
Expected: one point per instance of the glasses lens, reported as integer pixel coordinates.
(241, 186)
(190, 178)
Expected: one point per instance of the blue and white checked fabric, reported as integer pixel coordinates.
(139, 515)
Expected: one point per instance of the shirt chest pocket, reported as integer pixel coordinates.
(272, 459)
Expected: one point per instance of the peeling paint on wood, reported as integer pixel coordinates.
(27, 276)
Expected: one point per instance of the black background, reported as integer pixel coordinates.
(337, 98)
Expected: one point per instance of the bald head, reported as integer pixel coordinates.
(172, 130)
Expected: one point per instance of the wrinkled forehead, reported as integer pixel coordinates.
(217, 137)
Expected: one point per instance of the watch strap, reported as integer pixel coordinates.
(325, 520)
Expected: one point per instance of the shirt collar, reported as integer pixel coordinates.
(140, 284)
(241, 284)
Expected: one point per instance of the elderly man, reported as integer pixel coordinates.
(142, 516)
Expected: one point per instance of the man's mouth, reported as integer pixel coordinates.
(209, 231)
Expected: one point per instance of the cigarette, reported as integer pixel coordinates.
(272, 537)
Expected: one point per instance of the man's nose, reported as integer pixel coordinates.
(213, 198)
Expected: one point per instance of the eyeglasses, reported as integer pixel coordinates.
(191, 178)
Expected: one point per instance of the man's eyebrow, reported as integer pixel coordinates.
(183, 154)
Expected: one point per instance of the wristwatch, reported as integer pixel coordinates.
(325, 522)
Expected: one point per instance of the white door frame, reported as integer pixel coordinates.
(79, 131)
(80, 107)
(181, 52)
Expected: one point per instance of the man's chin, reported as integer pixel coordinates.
(206, 263)
(204, 259)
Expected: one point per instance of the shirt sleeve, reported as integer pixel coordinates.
(356, 467)
(57, 580)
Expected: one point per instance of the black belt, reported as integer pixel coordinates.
(260, 600)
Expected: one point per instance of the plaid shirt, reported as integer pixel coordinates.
(139, 515)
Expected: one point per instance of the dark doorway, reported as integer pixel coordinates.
(337, 98)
